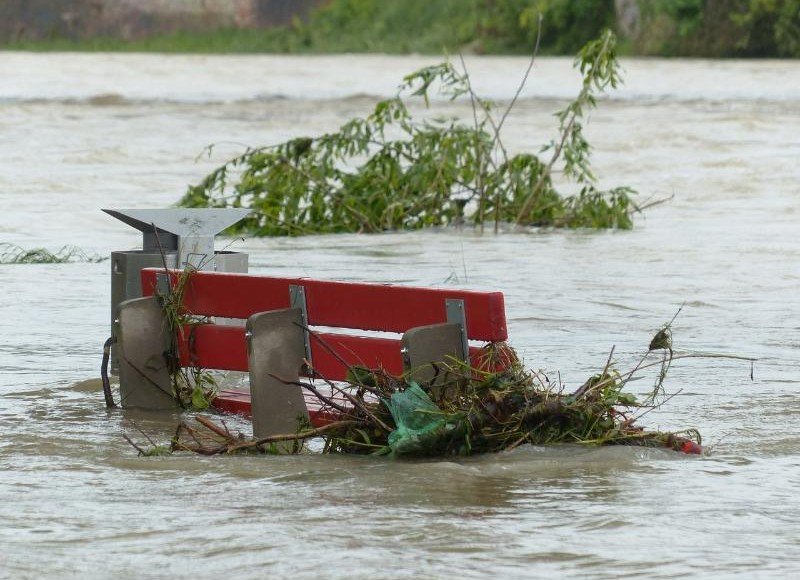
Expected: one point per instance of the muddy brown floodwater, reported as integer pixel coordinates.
(82, 132)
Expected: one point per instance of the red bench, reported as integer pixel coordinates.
(432, 322)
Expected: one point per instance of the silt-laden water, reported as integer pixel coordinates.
(82, 132)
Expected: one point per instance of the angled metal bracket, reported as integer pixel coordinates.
(189, 231)
(297, 299)
(456, 313)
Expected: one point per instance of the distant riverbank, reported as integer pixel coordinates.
(700, 28)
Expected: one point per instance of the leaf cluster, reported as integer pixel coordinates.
(392, 171)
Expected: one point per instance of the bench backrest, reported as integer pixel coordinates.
(346, 305)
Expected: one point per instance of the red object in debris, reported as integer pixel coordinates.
(233, 402)
(691, 448)
(236, 402)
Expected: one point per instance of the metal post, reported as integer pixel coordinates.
(297, 299)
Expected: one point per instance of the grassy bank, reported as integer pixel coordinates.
(710, 28)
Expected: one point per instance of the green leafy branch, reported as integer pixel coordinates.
(392, 171)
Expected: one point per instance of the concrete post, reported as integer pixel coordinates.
(276, 350)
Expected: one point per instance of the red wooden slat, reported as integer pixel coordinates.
(370, 352)
(224, 347)
(238, 402)
(233, 402)
(213, 346)
(340, 304)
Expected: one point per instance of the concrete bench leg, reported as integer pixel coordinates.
(435, 343)
(142, 340)
(275, 347)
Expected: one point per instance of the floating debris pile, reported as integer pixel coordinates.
(493, 405)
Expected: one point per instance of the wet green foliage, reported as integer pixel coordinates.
(12, 254)
(192, 387)
(156, 451)
(399, 26)
(719, 28)
(709, 28)
(390, 171)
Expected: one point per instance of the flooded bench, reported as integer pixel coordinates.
(293, 327)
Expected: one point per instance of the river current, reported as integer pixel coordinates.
(84, 132)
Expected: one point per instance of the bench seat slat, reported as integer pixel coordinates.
(238, 402)
(362, 306)
(213, 346)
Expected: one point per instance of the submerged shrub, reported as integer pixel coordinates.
(390, 171)
(13, 254)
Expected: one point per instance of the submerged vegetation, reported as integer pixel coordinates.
(13, 254)
(193, 388)
(391, 171)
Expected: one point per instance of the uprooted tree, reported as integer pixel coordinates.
(390, 171)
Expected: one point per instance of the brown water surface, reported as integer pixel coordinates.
(81, 132)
